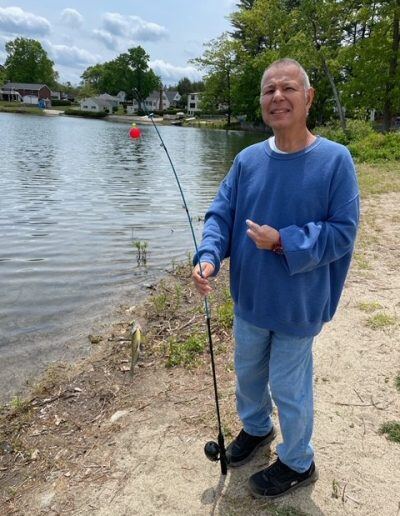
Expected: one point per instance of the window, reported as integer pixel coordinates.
(192, 105)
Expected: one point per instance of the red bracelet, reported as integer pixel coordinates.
(278, 248)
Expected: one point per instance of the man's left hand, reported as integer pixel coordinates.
(265, 237)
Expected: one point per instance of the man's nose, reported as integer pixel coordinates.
(278, 95)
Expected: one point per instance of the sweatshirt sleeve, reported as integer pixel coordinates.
(218, 223)
(319, 243)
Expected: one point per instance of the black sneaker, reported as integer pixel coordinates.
(242, 449)
(278, 479)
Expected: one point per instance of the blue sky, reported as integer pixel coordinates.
(77, 34)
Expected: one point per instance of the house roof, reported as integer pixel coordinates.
(154, 95)
(23, 86)
(171, 95)
(106, 96)
(99, 101)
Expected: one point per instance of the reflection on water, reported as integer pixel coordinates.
(75, 195)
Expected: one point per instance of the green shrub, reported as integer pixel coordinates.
(57, 102)
(377, 147)
(86, 114)
(356, 130)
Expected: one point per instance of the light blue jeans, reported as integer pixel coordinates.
(273, 366)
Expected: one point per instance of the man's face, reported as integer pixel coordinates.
(284, 100)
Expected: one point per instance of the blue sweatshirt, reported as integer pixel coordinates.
(312, 198)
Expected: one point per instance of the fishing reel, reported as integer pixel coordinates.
(212, 451)
(215, 452)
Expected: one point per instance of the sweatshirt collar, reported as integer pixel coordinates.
(291, 155)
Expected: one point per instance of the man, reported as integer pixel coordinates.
(287, 215)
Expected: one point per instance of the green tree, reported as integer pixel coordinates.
(184, 86)
(129, 72)
(92, 78)
(27, 61)
(2, 75)
(370, 59)
(322, 22)
(219, 63)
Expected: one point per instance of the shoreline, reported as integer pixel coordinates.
(218, 124)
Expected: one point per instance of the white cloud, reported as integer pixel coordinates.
(14, 20)
(171, 74)
(116, 28)
(71, 56)
(110, 41)
(72, 18)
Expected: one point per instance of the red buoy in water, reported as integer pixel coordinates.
(135, 132)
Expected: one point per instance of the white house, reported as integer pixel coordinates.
(114, 101)
(193, 103)
(173, 97)
(55, 95)
(121, 96)
(96, 105)
(152, 102)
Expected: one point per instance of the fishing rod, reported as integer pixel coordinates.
(214, 451)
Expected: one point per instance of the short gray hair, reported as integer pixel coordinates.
(286, 61)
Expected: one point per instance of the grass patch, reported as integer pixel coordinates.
(375, 180)
(397, 382)
(19, 405)
(185, 353)
(380, 320)
(361, 261)
(225, 311)
(392, 430)
(160, 303)
(369, 307)
(21, 109)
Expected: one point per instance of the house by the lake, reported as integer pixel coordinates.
(28, 92)
(193, 103)
(156, 101)
(103, 102)
(97, 104)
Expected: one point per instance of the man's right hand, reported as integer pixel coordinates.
(201, 281)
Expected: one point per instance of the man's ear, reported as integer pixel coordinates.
(310, 97)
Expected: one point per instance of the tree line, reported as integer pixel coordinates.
(349, 48)
(28, 62)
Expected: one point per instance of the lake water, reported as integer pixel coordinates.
(75, 196)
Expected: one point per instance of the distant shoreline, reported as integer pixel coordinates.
(129, 119)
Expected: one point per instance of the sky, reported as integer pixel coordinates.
(78, 34)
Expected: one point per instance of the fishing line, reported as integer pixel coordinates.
(214, 451)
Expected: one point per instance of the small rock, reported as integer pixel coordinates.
(35, 454)
(46, 499)
(95, 339)
(6, 447)
(118, 415)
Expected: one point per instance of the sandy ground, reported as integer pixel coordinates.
(152, 461)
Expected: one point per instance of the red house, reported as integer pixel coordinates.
(30, 93)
